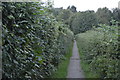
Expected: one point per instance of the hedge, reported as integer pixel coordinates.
(33, 42)
(100, 50)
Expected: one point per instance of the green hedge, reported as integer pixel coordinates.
(33, 42)
(100, 49)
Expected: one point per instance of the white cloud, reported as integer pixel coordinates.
(83, 5)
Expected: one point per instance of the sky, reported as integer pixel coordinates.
(83, 5)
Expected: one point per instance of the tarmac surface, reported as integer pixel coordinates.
(74, 69)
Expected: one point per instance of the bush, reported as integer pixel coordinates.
(33, 41)
(100, 50)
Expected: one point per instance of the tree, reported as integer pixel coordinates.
(65, 15)
(116, 14)
(83, 21)
(103, 15)
(72, 8)
(68, 7)
(56, 11)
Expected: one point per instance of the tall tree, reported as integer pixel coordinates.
(56, 11)
(104, 15)
(116, 14)
(65, 15)
(72, 8)
(83, 21)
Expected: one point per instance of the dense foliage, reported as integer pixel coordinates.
(36, 37)
(104, 15)
(99, 48)
(83, 21)
(33, 41)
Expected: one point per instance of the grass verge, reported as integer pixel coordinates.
(85, 66)
(63, 66)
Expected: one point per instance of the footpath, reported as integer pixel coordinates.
(74, 69)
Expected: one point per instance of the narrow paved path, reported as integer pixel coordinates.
(74, 69)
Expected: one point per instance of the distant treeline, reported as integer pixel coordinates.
(82, 21)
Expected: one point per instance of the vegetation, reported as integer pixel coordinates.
(99, 49)
(83, 21)
(62, 70)
(98, 40)
(33, 41)
(104, 15)
(37, 40)
(80, 22)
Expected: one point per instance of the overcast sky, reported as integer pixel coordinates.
(83, 5)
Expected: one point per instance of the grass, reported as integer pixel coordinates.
(63, 66)
(85, 66)
(87, 72)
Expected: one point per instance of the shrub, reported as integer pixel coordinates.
(33, 41)
(100, 49)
